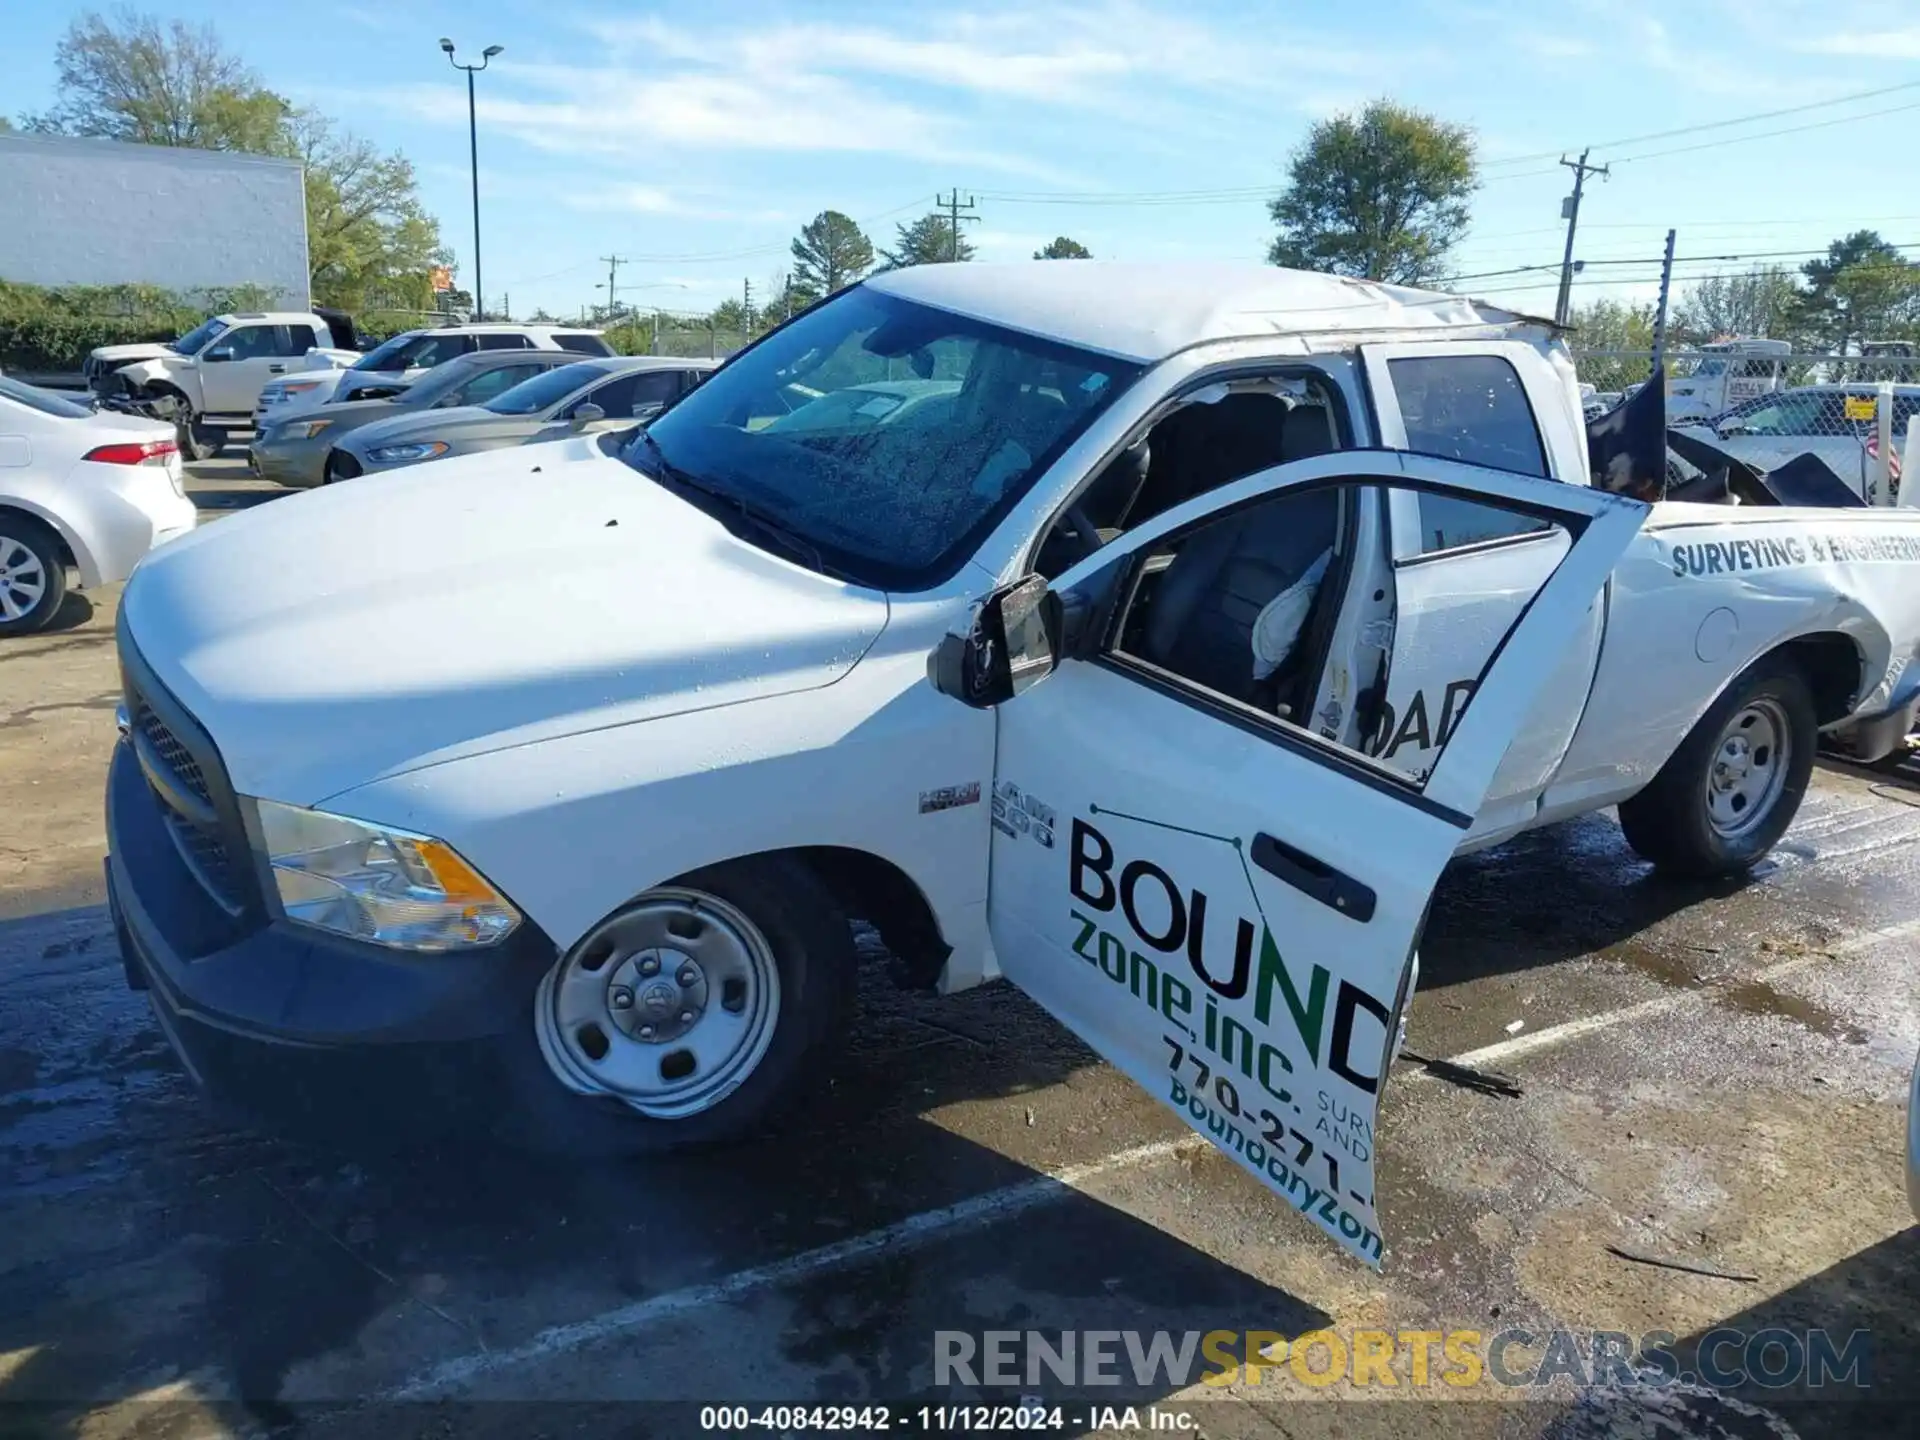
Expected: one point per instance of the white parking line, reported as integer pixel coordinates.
(1661, 1005)
(915, 1231)
(450, 1376)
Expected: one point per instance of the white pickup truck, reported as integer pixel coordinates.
(1150, 635)
(209, 380)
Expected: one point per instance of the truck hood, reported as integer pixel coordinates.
(119, 354)
(356, 632)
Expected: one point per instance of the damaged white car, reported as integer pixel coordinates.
(1158, 656)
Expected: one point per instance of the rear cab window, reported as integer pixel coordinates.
(1472, 408)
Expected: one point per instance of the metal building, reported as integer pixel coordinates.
(99, 212)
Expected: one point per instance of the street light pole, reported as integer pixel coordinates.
(473, 155)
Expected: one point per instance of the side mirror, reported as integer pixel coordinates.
(1012, 645)
(587, 414)
(219, 353)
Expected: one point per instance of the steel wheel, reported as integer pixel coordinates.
(23, 578)
(1749, 768)
(666, 1006)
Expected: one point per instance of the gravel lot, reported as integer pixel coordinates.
(1712, 1077)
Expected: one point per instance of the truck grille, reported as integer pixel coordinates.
(185, 768)
(215, 853)
(206, 855)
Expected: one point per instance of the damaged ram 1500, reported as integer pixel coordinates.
(1152, 636)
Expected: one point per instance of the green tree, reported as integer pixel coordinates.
(1609, 325)
(1756, 305)
(130, 78)
(1382, 196)
(927, 241)
(829, 254)
(368, 237)
(1061, 248)
(731, 317)
(1862, 289)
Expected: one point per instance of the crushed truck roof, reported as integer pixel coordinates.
(1144, 311)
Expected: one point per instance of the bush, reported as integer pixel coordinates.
(50, 330)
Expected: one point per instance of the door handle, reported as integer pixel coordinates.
(276, 369)
(1332, 888)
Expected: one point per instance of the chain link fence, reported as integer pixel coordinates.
(678, 336)
(1854, 413)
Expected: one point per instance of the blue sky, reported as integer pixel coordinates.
(695, 138)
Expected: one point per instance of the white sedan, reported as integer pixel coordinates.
(82, 490)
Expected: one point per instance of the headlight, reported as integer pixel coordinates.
(305, 429)
(387, 886)
(400, 454)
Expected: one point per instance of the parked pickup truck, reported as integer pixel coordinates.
(1152, 636)
(208, 381)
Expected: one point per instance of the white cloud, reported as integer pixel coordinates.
(983, 90)
(652, 200)
(1869, 44)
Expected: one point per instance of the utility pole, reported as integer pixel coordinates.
(954, 207)
(614, 262)
(1660, 315)
(746, 303)
(1570, 212)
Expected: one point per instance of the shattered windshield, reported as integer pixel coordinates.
(383, 357)
(199, 337)
(888, 434)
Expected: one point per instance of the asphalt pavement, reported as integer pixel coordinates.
(1656, 1076)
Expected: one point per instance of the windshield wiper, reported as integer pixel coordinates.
(768, 525)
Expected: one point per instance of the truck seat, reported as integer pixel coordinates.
(1200, 624)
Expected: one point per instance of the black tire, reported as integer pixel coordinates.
(330, 472)
(812, 948)
(199, 441)
(36, 583)
(1670, 823)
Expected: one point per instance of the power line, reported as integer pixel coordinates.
(1724, 124)
(1767, 134)
(1689, 260)
(717, 256)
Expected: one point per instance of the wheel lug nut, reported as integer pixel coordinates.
(649, 966)
(646, 1032)
(622, 998)
(688, 975)
(686, 1017)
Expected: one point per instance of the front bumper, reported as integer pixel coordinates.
(320, 1035)
(300, 463)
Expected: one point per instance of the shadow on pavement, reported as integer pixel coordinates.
(145, 1243)
(215, 499)
(75, 610)
(1870, 1302)
(1545, 896)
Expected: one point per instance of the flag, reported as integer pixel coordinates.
(1873, 453)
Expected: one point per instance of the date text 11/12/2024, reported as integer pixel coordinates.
(1000, 1419)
